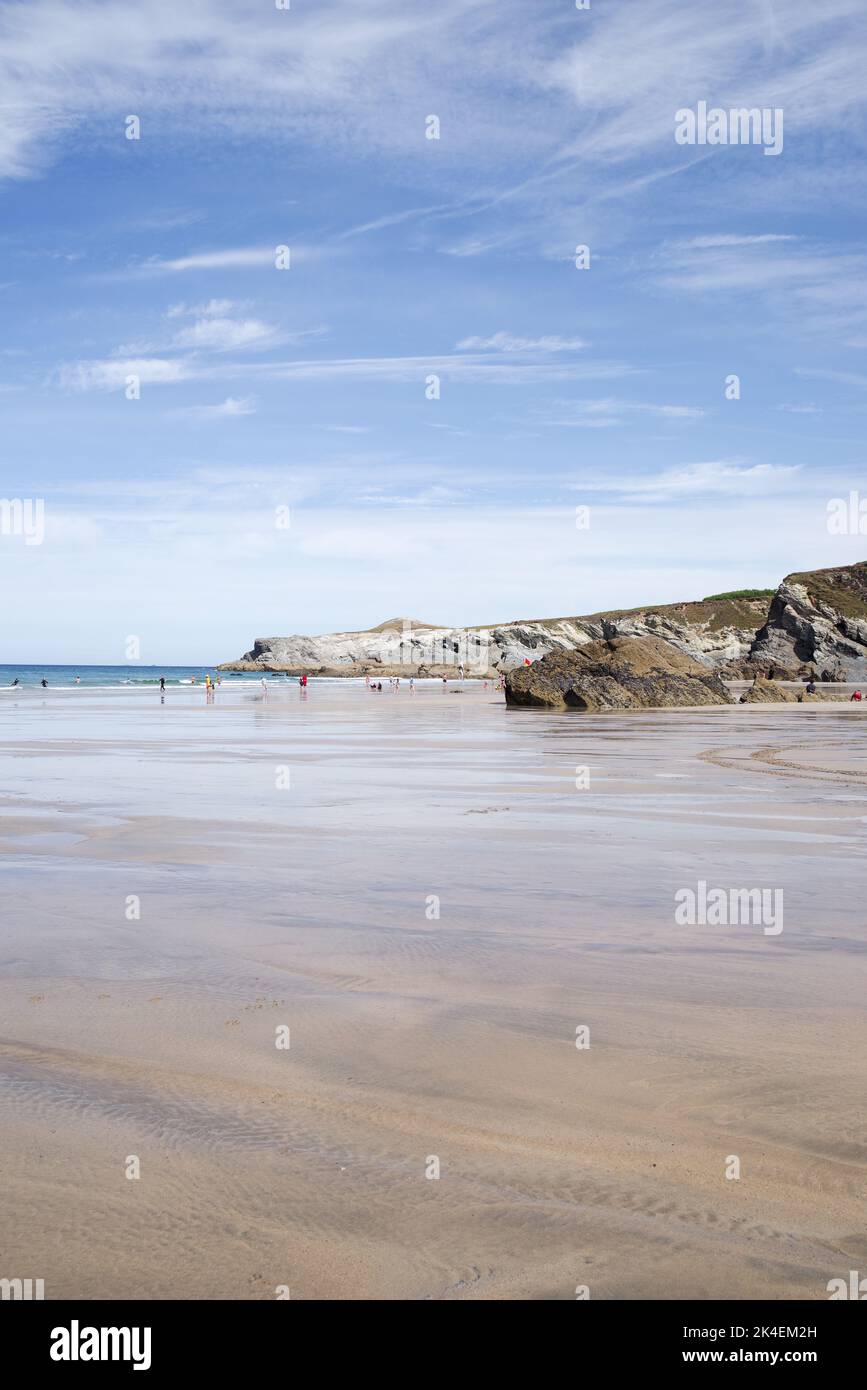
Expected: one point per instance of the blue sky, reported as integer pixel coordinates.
(263, 388)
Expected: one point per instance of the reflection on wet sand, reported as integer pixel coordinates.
(433, 905)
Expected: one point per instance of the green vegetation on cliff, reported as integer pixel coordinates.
(741, 593)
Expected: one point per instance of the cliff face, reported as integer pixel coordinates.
(819, 620)
(713, 631)
(816, 620)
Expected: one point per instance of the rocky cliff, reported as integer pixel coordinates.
(817, 621)
(814, 622)
(715, 631)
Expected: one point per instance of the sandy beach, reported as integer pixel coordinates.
(441, 895)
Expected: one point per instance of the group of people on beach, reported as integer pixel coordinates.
(393, 683)
(43, 682)
(302, 684)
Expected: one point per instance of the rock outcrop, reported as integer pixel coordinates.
(765, 692)
(620, 674)
(818, 621)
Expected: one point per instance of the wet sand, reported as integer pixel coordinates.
(415, 1036)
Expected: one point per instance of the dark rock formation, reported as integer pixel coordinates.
(749, 670)
(819, 620)
(618, 674)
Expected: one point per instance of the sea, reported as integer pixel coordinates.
(134, 674)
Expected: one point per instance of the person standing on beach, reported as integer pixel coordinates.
(44, 683)
(264, 685)
(162, 685)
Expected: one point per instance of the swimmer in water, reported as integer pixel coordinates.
(44, 683)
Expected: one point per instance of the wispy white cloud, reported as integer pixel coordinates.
(113, 373)
(815, 288)
(239, 257)
(166, 221)
(212, 330)
(211, 308)
(223, 334)
(697, 479)
(731, 239)
(481, 367)
(609, 411)
(226, 65)
(495, 369)
(633, 76)
(231, 408)
(510, 342)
